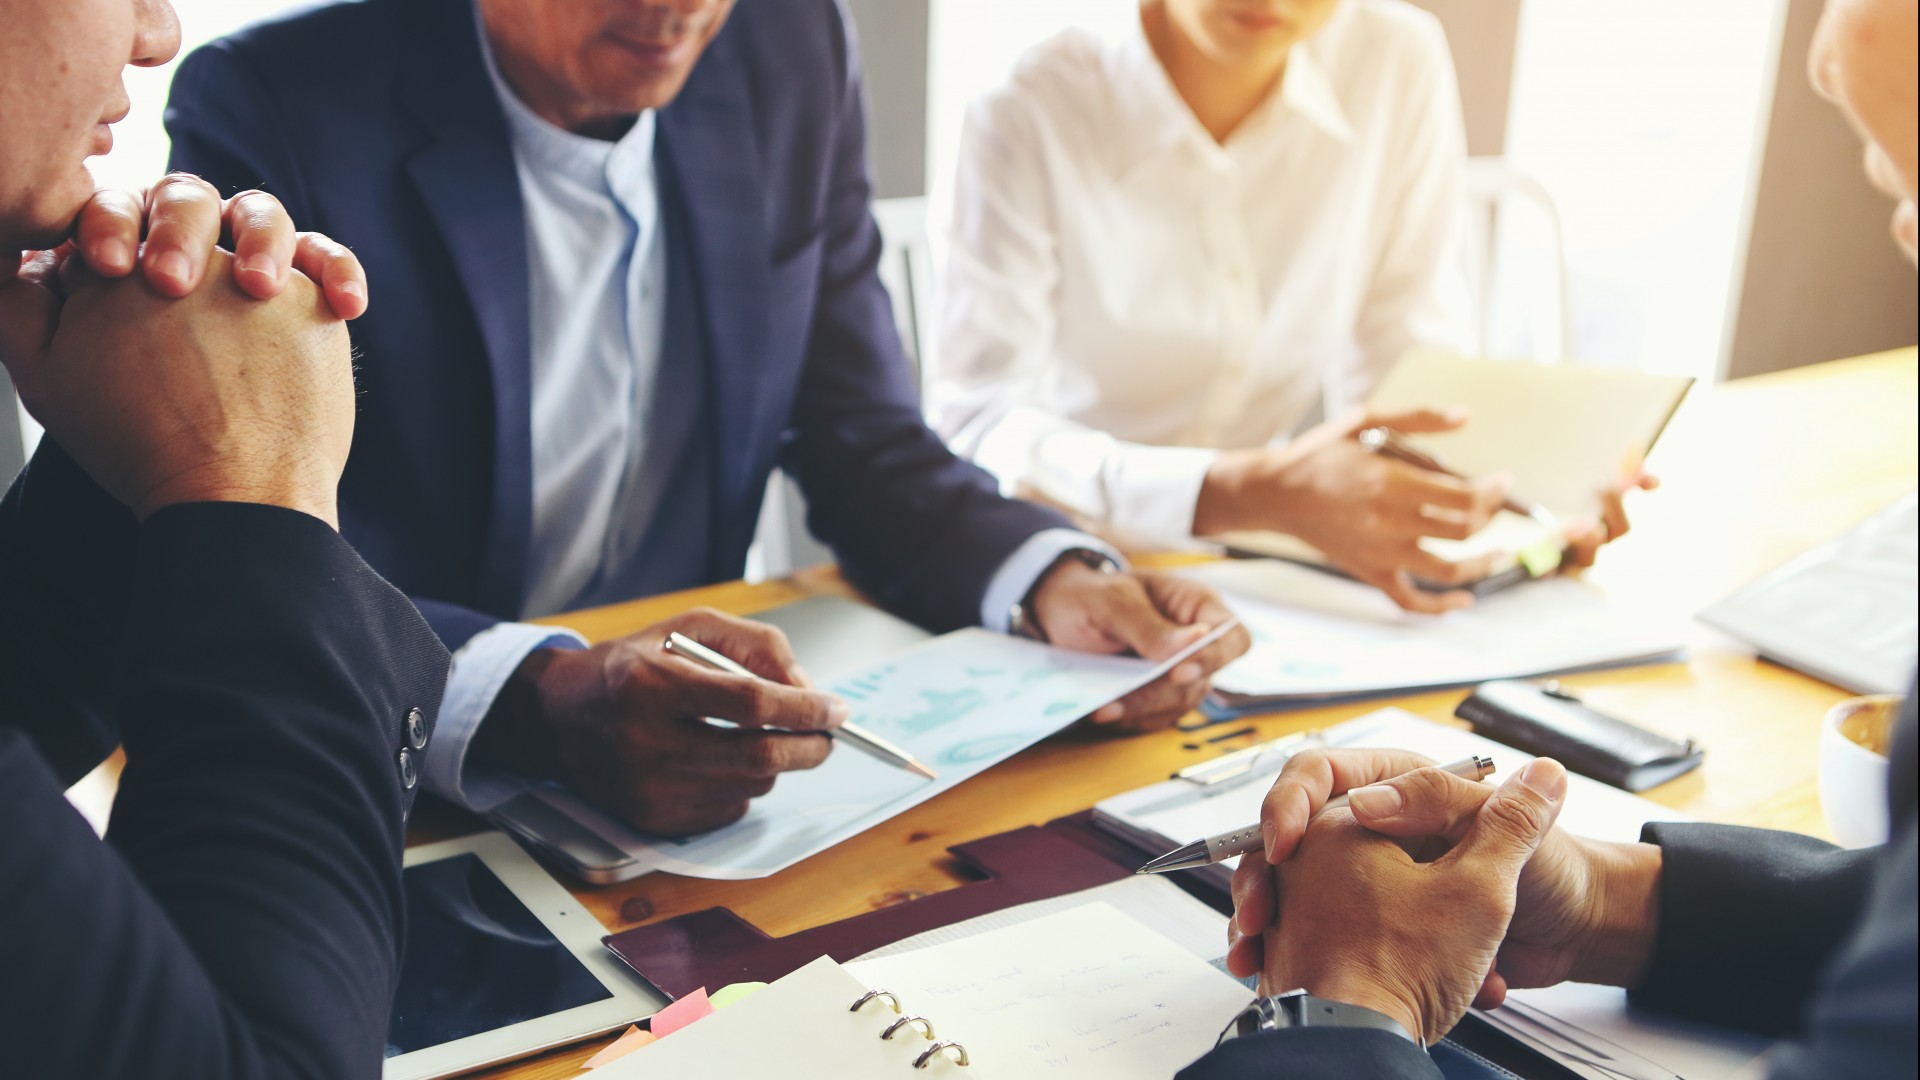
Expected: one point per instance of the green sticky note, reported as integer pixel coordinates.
(729, 994)
(1542, 558)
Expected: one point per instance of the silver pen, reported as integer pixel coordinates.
(682, 645)
(1247, 838)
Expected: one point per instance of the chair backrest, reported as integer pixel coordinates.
(781, 542)
(906, 269)
(1497, 235)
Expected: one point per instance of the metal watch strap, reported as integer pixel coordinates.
(1020, 618)
(1297, 1008)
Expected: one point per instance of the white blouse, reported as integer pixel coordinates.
(1125, 296)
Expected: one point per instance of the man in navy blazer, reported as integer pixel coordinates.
(623, 265)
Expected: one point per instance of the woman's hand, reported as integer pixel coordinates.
(1587, 536)
(1365, 512)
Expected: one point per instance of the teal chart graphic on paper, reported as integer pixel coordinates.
(960, 703)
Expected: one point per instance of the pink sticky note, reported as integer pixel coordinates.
(629, 1041)
(681, 1013)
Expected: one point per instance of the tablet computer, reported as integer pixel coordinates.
(500, 962)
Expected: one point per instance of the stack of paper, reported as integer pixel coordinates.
(1317, 637)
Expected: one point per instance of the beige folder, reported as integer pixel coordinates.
(1565, 431)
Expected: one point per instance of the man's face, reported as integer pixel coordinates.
(60, 65)
(595, 60)
(1864, 60)
(1256, 32)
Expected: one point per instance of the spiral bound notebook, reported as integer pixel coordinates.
(1081, 994)
(819, 1023)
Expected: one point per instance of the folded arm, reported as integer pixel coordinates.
(243, 918)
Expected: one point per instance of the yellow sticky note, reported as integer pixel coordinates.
(1542, 558)
(733, 992)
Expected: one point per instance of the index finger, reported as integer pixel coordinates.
(263, 243)
(759, 647)
(183, 226)
(107, 233)
(1476, 499)
(755, 702)
(1310, 778)
(336, 270)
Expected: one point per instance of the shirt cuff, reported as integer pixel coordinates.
(480, 669)
(1022, 569)
(1153, 490)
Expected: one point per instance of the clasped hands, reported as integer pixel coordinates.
(1433, 893)
(176, 372)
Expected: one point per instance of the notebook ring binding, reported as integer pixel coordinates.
(938, 1048)
(870, 995)
(926, 1025)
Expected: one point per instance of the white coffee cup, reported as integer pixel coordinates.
(1853, 768)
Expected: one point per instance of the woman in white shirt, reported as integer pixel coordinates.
(1171, 251)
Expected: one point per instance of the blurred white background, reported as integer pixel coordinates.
(1642, 117)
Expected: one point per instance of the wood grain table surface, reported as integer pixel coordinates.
(1755, 471)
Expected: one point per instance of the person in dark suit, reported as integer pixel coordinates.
(626, 266)
(172, 580)
(1769, 932)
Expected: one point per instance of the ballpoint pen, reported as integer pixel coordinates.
(1247, 838)
(861, 739)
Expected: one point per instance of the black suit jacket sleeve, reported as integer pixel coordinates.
(243, 917)
(1748, 917)
(1315, 1054)
(913, 526)
(1861, 1023)
(66, 578)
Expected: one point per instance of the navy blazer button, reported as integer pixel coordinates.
(416, 729)
(409, 775)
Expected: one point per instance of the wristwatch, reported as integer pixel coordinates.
(1020, 618)
(1298, 1009)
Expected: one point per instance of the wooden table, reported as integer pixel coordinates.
(1755, 472)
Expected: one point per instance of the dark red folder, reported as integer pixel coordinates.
(715, 947)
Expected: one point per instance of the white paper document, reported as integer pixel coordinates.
(1151, 900)
(1083, 993)
(961, 703)
(1318, 636)
(1180, 811)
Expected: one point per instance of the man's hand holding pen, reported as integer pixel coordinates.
(1432, 893)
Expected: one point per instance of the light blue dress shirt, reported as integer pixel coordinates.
(597, 269)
